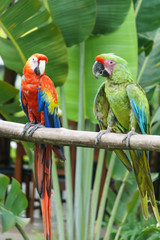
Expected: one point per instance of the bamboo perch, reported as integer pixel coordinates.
(68, 137)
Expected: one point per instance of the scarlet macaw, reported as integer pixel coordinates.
(39, 102)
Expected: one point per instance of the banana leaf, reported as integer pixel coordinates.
(149, 66)
(29, 31)
(148, 17)
(122, 42)
(12, 203)
(75, 19)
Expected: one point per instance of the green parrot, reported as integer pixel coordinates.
(121, 106)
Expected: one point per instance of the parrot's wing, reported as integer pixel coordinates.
(101, 107)
(47, 102)
(140, 162)
(100, 110)
(143, 177)
(139, 106)
(24, 104)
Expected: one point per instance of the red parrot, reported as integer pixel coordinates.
(38, 99)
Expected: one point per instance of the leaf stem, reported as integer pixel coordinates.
(21, 231)
(14, 42)
(81, 88)
(69, 187)
(114, 210)
(95, 194)
(48, 9)
(120, 228)
(138, 7)
(79, 157)
(58, 203)
(104, 197)
(87, 180)
(142, 69)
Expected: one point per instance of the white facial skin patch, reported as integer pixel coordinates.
(39, 65)
(33, 62)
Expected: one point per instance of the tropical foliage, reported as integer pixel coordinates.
(71, 33)
(12, 203)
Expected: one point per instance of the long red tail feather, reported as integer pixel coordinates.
(43, 174)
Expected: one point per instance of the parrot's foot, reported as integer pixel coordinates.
(99, 135)
(26, 127)
(128, 137)
(34, 128)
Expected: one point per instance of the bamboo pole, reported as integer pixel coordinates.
(62, 136)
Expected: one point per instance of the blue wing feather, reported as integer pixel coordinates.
(23, 107)
(47, 104)
(47, 118)
(41, 101)
(51, 120)
(140, 106)
(140, 115)
(56, 119)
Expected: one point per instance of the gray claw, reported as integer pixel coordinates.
(26, 127)
(99, 135)
(39, 125)
(128, 137)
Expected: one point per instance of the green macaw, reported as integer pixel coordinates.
(121, 106)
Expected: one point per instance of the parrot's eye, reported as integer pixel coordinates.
(34, 59)
(110, 62)
(101, 72)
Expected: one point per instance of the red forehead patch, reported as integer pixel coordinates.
(41, 57)
(99, 59)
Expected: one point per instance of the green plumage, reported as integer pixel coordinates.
(122, 105)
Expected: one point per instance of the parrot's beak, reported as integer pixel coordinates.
(42, 65)
(39, 70)
(98, 69)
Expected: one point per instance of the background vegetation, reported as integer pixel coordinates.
(71, 33)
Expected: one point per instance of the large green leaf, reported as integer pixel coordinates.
(148, 17)
(122, 42)
(145, 44)
(8, 219)
(12, 203)
(4, 5)
(4, 181)
(149, 67)
(110, 14)
(75, 19)
(16, 200)
(27, 27)
(7, 92)
(11, 111)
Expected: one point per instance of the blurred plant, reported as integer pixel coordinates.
(12, 203)
(148, 28)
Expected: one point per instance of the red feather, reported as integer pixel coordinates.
(99, 59)
(31, 84)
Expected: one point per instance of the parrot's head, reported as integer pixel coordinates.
(35, 65)
(109, 66)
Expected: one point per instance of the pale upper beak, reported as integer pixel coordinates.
(42, 65)
(95, 69)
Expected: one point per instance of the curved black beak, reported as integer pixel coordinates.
(98, 69)
(37, 70)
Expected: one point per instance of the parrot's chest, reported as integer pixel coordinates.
(30, 91)
(119, 102)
